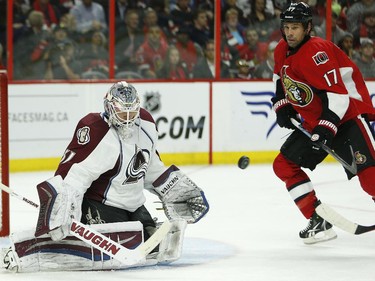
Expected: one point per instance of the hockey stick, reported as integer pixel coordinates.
(103, 243)
(338, 220)
(350, 167)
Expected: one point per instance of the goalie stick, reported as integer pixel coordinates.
(338, 220)
(102, 242)
(350, 167)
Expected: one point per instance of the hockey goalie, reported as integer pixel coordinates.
(100, 182)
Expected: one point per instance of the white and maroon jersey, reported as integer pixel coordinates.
(108, 169)
(320, 69)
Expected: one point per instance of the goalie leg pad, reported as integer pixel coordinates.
(181, 197)
(30, 254)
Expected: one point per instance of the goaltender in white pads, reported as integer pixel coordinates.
(101, 178)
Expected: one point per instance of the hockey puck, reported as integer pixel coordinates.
(243, 162)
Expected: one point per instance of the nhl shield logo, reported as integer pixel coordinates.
(152, 101)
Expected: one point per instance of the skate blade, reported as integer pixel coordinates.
(322, 236)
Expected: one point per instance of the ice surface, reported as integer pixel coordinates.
(250, 233)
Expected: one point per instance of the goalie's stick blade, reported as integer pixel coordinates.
(338, 220)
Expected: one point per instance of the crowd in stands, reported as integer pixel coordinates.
(171, 39)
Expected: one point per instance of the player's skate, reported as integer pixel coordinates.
(8, 260)
(317, 230)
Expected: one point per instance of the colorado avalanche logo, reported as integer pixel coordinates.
(83, 135)
(137, 166)
(297, 93)
(152, 102)
(320, 58)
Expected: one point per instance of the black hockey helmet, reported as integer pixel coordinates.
(297, 12)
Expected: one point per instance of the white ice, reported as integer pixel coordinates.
(250, 233)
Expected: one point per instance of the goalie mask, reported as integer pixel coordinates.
(122, 106)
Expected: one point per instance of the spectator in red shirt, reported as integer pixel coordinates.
(51, 13)
(152, 52)
(189, 50)
(173, 67)
(150, 18)
(254, 51)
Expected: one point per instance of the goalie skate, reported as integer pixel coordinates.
(317, 230)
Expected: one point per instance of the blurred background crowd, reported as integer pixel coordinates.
(168, 39)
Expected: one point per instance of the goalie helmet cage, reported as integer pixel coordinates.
(4, 154)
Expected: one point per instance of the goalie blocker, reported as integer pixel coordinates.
(181, 197)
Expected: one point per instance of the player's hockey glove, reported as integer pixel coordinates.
(181, 197)
(284, 111)
(323, 133)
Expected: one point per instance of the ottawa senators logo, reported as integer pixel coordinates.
(360, 158)
(297, 93)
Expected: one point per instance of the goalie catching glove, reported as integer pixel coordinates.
(181, 197)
